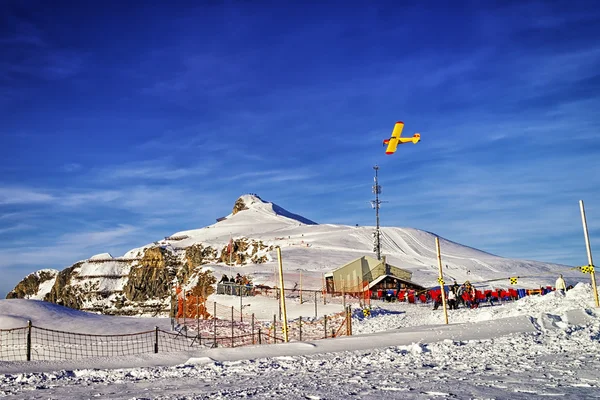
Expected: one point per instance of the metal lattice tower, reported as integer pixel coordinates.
(375, 204)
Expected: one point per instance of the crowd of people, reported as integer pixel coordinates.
(237, 280)
(467, 296)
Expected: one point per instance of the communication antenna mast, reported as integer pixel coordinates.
(375, 204)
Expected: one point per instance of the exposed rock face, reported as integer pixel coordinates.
(63, 292)
(197, 254)
(30, 286)
(152, 277)
(239, 205)
(244, 251)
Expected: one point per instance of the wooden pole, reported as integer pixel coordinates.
(184, 306)
(215, 323)
(28, 356)
(441, 279)
(350, 319)
(283, 310)
(589, 252)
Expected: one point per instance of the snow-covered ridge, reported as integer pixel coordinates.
(256, 228)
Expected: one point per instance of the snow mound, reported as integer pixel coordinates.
(14, 313)
(102, 256)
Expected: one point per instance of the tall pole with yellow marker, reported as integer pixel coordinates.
(589, 252)
(282, 296)
(441, 278)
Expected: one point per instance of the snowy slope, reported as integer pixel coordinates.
(539, 346)
(317, 249)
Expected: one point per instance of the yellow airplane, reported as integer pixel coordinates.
(393, 142)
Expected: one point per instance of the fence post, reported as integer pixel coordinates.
(232, 326)
(156, 339)
(315, 305)
(29, 340)
(300, 327)
(215, 323)
(349, 320)
(184, 306)
(325, 322)
(252, 328)
(259, 337)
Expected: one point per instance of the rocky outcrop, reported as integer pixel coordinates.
(30, 286)
(239, 205)
(245, 251)
(197, 254)
(153, 276)
(63, 292)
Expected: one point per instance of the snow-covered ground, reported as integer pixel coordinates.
(539, 346)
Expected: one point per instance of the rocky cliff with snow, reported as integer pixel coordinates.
(142, 281)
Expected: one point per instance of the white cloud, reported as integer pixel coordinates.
(18, 195)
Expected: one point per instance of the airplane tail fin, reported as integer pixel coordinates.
(416, 138)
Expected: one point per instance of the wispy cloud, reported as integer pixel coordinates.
(71, 167)
(84, 240)
(18, 195)
(149, 170)
(15, 228)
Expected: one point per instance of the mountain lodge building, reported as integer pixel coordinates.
(367, 273)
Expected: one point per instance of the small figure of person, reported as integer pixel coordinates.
(489, 298)
(452, 300)
(438, 301)
(224, 279)
(560, 284)
(238, 279)
(455, 288)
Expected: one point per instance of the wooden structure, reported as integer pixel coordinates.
(367, 273)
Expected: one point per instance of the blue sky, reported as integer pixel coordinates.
(123, 124)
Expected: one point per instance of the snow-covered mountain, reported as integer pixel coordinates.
(143, 278)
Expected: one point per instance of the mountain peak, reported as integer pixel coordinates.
(245, 201)
(252, 201)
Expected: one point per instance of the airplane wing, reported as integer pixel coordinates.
(393, 141)
(397, 132)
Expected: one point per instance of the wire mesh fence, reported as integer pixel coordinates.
(33, 343)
